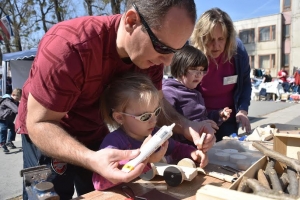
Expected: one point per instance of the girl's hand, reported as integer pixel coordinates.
(200, 157)
(157, 155)
(195, 130)
(225, 113)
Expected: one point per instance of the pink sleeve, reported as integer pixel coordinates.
(101, 183)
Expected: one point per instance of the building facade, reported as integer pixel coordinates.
(273, 41)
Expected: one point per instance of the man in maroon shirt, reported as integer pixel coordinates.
(59, 116)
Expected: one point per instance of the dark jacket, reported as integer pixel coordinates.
(242, 93)
(8, 108)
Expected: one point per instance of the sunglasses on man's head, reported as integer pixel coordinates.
(157, 45)
(146, 116)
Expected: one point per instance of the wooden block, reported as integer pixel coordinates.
(149, 175)
(189, 173)
(212, 192)
(284, 97)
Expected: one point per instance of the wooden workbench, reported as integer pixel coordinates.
(186, 190)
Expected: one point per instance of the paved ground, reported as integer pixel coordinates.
(261, 113)
(11, 164)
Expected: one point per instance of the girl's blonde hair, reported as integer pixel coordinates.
(123, 89)
(202, 33)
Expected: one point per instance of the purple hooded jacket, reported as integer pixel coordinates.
(187, 102)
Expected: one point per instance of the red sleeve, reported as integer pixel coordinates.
(56, 74)
(155, 73)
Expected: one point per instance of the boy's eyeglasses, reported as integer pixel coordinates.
(197, 72)
(157, 45)
(146, 116)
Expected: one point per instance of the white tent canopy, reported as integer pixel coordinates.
(20, 63)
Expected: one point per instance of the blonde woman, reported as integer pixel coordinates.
(227, 82)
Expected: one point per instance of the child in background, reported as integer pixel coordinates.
(8, 111)
(188, 67)
(131, 103)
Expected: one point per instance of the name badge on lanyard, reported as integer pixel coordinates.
(230, 80)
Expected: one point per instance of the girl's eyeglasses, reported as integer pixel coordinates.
(146, 116)
(157, 45)
(197, 72)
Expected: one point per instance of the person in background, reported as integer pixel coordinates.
(296, 88)
(188, 67)
(131, 104)
(283, 75)
(59, 116)
(267, 77)
(227, 82)
(8, 111)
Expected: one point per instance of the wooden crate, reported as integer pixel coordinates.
(284, 97)
(216, 193)
(287, 143)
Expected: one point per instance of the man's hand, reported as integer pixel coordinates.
(195, 129)
(106, 163)
(242, 118)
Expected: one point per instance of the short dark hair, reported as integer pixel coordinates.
(154, 11)
(187, 57)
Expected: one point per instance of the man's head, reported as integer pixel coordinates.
(16, 94)
(151, 31)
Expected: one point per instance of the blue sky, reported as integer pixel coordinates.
(240, 9)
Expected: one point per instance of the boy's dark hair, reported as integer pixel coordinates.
(187, 57)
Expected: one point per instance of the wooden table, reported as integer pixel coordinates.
(186, 190)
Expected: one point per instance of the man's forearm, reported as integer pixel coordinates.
(55, 142)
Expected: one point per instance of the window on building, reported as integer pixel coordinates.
(286, 59)
(286, 30)
(286, 5)
(267, 33)
(251, 61)
(267, 61)
(247, 36)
